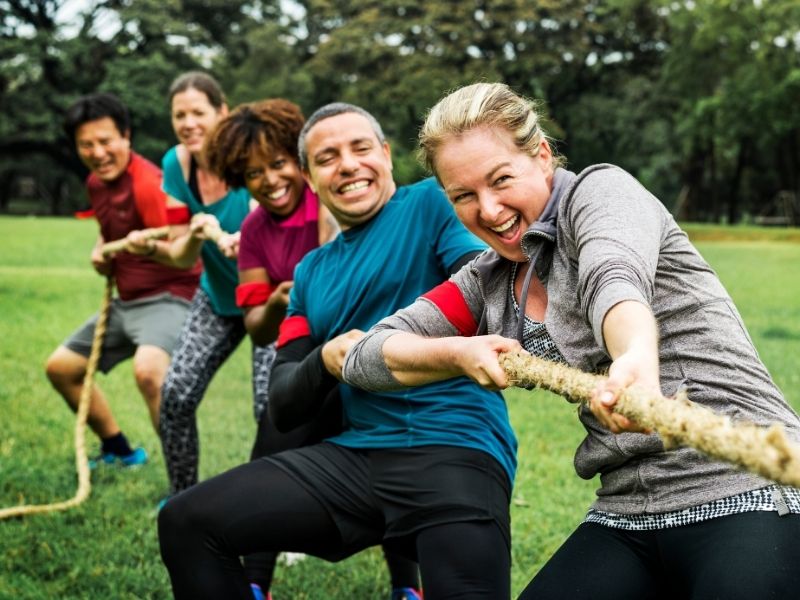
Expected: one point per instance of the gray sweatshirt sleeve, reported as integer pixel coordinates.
(615, 228)
(364, 365)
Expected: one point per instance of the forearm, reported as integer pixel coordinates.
(629, 327)
(181, 252)
(414, 360)
(298, 384)
(263, 322)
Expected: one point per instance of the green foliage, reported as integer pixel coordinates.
(696, 98)
(108, 546)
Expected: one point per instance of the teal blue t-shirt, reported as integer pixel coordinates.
(369, 272)
(220, 275)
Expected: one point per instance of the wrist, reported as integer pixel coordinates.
(152, 249)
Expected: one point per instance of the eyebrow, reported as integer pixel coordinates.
(489, 175)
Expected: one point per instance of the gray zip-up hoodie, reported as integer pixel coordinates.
(595, 245)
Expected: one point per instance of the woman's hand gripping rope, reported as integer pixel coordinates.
(766, 451)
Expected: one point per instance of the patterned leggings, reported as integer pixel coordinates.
(206, 341)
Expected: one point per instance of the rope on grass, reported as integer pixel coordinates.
(81, 461)
(766, 451)
(154, 233)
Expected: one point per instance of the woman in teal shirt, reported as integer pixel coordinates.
(215, 326)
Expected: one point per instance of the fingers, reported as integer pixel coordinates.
(603, 400)
(479, 358)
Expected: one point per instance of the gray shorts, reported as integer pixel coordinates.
(152, 321)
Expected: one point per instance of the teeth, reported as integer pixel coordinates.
(505, 226)
(356, 185)
(277, 194)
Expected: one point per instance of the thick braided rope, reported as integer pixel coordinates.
(212, 232)
(766, 451)
(81, 462)
(154, 233)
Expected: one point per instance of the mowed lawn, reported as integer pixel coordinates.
(107, 548)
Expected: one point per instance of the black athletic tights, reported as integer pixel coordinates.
(747, 556)
(258, 507)
(260, 567)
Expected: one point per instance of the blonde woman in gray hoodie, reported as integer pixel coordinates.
(607, 280)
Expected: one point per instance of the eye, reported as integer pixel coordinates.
(502, 179)
(323, 160)
(461, 197)
(252, 174)
(278, 164)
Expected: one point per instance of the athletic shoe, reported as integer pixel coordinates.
(406, 593)
(135, 459)
(258, 593)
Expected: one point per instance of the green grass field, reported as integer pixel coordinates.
(107, 548)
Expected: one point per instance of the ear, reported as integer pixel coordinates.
(309, 181)
(545, 153)
(387, 151)
(223, 110)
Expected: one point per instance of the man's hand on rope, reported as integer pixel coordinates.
(101, 263)
(628, 369)
(334, 351)
(139, 243)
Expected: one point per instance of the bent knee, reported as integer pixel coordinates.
(65, 366)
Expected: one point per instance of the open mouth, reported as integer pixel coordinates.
(278, 193)
(354, 186)
(508, 229)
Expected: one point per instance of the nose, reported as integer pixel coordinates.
(489, 207)
(271, 176)
(349, 162)
(97, 151)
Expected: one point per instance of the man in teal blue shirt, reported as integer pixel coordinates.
(426, 471)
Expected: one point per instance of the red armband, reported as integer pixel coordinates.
(253, 294)
(84, 214)
(178, 215)
(291, 329)
(449, 299)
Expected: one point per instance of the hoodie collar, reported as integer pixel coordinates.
(545, 225)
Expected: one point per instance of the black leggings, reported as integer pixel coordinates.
(260, 567)
(258, 507)
(744, 556)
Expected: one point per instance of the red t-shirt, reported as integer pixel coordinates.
(135, 201)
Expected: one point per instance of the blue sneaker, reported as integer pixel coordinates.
(135, 459)
(406, 593)
(258, 593)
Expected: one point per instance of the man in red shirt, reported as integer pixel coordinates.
(145, 320)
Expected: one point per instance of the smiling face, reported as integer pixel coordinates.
(497, 190)
(349, 168)
(193, 116)
(103, 148)
(276, 182)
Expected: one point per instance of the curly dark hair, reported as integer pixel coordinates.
(268, 126)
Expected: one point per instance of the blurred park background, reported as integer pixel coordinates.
(697, 98)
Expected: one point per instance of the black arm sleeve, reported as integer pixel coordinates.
(456, 266)
(298, 384)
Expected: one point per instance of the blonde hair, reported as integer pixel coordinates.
(482, 105)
